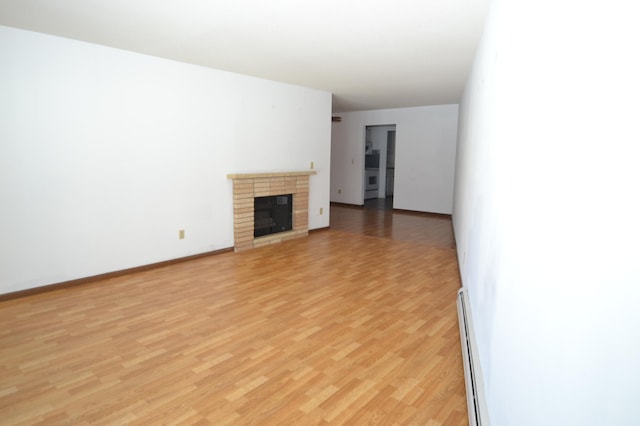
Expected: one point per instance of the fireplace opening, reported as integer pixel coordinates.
(272, 214)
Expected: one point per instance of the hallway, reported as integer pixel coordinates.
(378, 219)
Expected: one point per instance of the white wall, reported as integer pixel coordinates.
(106, 154)
(425, 156)
(546, 212)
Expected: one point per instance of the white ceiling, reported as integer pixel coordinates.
(370, 54)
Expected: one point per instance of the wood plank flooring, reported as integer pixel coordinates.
(353, 325)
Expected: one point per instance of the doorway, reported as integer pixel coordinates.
(379, 162)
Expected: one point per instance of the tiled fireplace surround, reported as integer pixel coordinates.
(246, 186)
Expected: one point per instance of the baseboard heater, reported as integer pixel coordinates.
(476, 404)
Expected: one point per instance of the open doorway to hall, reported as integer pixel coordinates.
(379, 166)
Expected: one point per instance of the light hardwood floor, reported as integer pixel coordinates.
(353, 325)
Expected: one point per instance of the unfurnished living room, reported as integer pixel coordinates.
(292, 212)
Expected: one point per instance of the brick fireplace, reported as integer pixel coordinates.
(247, 186)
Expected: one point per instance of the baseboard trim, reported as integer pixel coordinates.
(419, 213)
(353, 206)
(87, 280)
(313, 231)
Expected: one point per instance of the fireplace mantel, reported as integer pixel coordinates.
(269, 174)
(247, 186)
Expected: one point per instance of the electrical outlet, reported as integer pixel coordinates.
(339, 191)
(312, 165)
(321, 210)
(181, 234)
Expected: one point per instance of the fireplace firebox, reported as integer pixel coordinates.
(272, 214)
